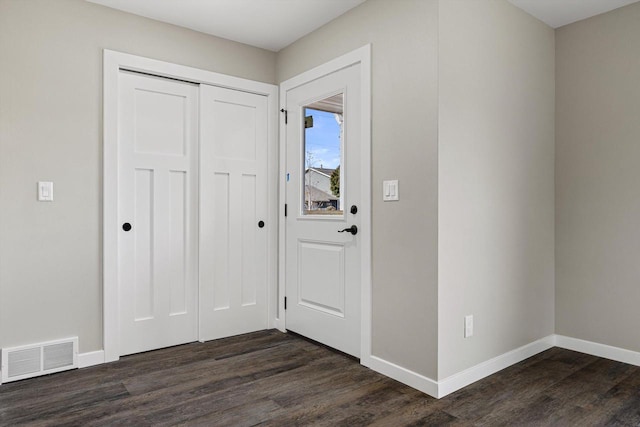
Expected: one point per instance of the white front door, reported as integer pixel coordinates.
(323, 138)
(157, 187)
(233, 215)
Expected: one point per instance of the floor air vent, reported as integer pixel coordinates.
(44, 358)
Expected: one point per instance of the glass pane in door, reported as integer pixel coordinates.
(323, 148)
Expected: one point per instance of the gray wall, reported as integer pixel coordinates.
(496, 181)
(598, 179)
(51, 130)
(403, 35)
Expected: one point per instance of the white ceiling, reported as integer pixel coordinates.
(557, 13)
(269, 24)
(274, 24)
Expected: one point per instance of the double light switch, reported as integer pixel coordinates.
(45, 191)
(390, 190)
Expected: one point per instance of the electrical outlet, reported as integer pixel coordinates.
(468, 326)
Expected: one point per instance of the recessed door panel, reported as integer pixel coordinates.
(179, 232)
(321, 277)
(143, 251)
(221, 246)
(235, 137)
(250, 239)
(160, 122)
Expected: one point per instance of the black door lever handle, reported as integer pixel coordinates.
(353, 230)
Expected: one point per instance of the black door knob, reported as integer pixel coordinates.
(126, 226)
(260, 224)
(353, 230)
(354, 209)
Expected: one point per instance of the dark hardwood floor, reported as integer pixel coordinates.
(274, 379)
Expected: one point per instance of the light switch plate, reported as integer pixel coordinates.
(390, 190)
(45, 191)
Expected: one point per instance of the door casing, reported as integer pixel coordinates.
(363, 57)
(113, 62)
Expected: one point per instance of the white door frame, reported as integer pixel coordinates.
(113, 62)
(363, 57)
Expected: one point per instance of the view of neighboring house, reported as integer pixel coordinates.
(317, 190)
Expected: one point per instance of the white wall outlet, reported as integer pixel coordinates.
(390, 190)
(468, 326)
(45, 191)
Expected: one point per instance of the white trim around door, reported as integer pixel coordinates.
(113, 63)
(360, 56)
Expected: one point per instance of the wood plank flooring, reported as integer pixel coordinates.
(273, 379)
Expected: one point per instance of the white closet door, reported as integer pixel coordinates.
(157, 187)
(233, 212)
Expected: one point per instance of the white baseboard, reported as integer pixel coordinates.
(90, 359)
(601, 350)
(439, 389)
(462, 379)
(404, 375)
(468, 376)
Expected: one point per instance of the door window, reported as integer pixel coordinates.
(323, 145)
